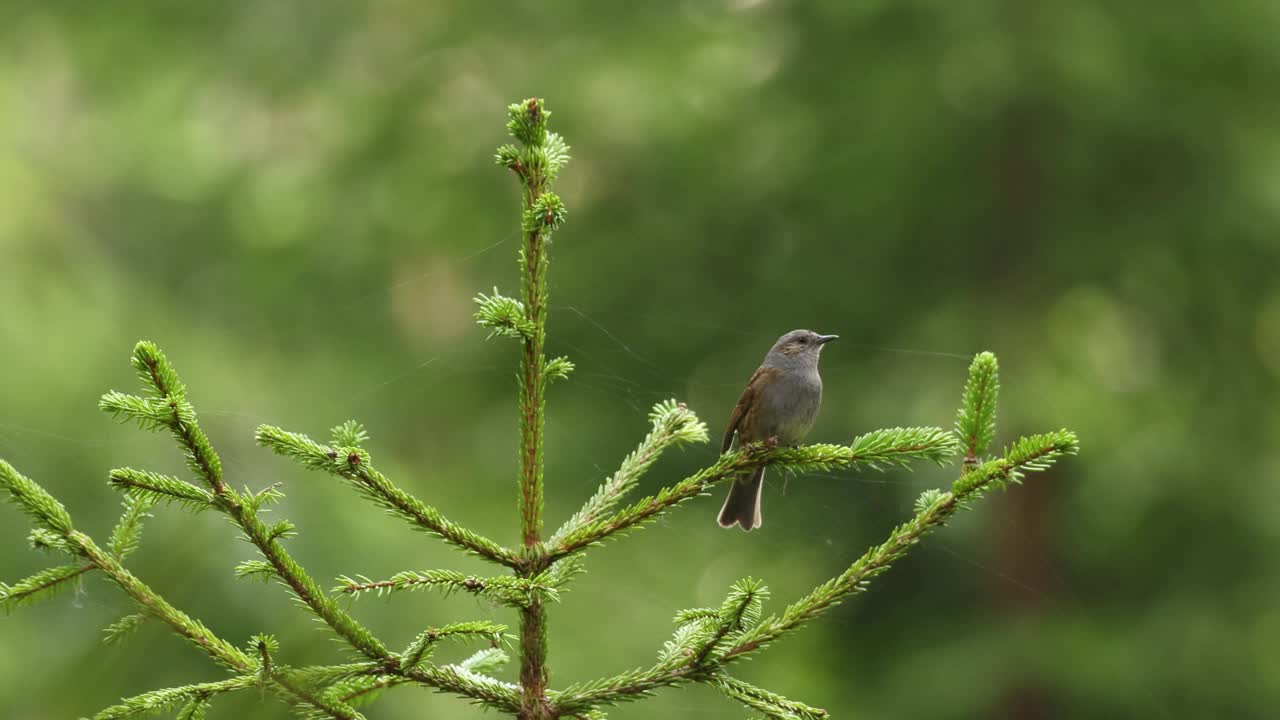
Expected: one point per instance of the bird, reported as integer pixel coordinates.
(778, 406)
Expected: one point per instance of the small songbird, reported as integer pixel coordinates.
(779, 405)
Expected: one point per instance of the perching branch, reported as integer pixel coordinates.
(878, 449)
(1026, 455)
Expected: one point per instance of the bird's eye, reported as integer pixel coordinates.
(804, 341)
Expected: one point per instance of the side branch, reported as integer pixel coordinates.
(305, 588)
(223, 652)
(43, 584)
(1026, 455)
(354, 466)
(516, 592)
(156, 371)
(184, 625)
(895, 446)
(45, 509)
(170, 410)
(673, 424)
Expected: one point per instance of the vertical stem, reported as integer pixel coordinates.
(533, 662)
(532, 382)
(533, 630)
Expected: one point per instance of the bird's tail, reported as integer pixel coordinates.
(742, 507)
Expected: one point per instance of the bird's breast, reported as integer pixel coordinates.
(791, 404)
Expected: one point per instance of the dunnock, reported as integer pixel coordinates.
(779, 405)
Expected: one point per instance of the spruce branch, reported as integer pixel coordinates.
(360, 691)
(355, 681)
(46, 540)
(265, 646)
(695, 615)
(671, 424)
(514, 591)
(44, 584)
(41, 505)
(684, 644)
(255, 570)
(1036, 453)
(150, 414)
(195, 700)
(220, 650)
(927, 499)
(161, 379)
(557, 154)
(317, 706)
(976, 419)
(243, 511)
(773, 706)
(156, 606)
(195, 632)
(897, 446)
(422, 645)
(355, 466)
(323, 677)
(194, 710)
(740, 608)
(158, 701)
(558, 368)
(128, 531)
(503, 316)
(1025, 455)
(486, 660)
(343, 683)
(305, 589)
(158, 488)
(876, 450)
(34, 501)
(349, 434)
(116, 632)
(281, 530)
(480, 688)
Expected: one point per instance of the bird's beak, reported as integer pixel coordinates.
(824, 339)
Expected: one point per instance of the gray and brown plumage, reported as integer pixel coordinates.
(779, 405)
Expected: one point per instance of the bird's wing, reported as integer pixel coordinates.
(749, 397)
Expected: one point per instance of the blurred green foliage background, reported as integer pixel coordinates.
(297, 201)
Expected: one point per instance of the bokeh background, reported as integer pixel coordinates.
(297, 200)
